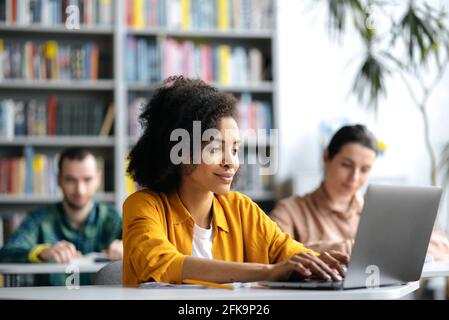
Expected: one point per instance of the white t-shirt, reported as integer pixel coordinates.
(202, 242)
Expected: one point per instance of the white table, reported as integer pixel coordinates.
(11, 272)
(435, 269)
(124, 293)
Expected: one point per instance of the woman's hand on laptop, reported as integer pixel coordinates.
(336, 260)
(307, 265)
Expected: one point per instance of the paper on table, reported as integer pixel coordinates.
(91, 257)
(164, 285)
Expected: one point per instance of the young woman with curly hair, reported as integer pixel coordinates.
(185, 223)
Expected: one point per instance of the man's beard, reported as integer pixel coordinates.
(73, 205)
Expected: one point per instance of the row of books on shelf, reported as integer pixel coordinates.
(54, 12)
(42, 60)
(252, 115)
(153, 60)
(36, 174)
(135, 108)
(200, 14)
(146, 60)
(177, 14)
(143, 60)
(64, 117)
(33, 173)
(55, 117)
(250, 180)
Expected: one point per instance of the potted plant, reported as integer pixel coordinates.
(413, 44)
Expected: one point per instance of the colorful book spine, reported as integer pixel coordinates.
(49, 60)
(52, 117)
(151, 61)
(253, 115)
(185, 14)
(34, 173)
(200, 14)
(53, 12)
(134, 109)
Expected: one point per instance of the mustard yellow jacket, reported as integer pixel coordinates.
(158, 233)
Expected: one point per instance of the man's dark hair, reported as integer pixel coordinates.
(351, 134)
(176, 104)
(73, 154)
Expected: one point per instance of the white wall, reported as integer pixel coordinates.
(315, 75)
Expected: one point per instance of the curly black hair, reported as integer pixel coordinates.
(175, 105)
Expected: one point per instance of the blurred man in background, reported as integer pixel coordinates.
(69, 229)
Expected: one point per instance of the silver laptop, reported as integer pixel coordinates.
(391, 242)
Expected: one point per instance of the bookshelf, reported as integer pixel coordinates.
(50, 85)
(264, 87)
(60, 141)
(202, 34)
(18, 204)
(55, 29)
(112, 84)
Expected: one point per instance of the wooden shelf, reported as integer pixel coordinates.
(208, 34)
(46, 199)
(262, 87)
(59, 141)
(56, 29)
(156, 32)
(247, 144)
(73, 85)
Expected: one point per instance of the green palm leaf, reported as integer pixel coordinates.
(369, 83)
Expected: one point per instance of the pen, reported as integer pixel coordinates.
(209, 284)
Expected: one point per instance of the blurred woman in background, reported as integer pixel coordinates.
(328, 217)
